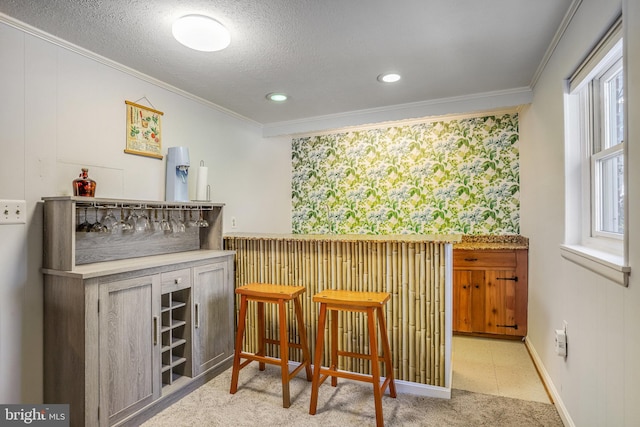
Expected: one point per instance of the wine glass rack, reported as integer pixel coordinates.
(65, 246)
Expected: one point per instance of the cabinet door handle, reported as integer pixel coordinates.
(471, 259)
(155, 330)
(477, 286)
(197, 315)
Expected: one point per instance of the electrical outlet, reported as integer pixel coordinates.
(13, 212)
(234, 223)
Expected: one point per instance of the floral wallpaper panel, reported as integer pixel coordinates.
(455, 176)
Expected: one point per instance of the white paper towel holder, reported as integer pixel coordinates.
(208, 187)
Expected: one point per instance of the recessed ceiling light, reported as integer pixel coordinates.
(389, 78)
(277, 97)
(201, 33)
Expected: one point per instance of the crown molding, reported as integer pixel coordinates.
(568, 17)
(28, 29)
(468, 104)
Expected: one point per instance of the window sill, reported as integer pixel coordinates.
(605, 264)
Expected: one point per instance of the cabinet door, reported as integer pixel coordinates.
(469, 300)
(213, 312)
(462, 300)
(129, 347)
(500, 302)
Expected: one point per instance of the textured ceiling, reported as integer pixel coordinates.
(326, 54)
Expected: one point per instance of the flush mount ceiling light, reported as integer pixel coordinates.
(201, 33)
(389, 78)
(277, 97)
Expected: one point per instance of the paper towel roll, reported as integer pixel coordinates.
(201, 183)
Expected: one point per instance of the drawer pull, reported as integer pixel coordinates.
(197, 315)
(508, 326)
(471, 259)
(515, 278)
(155, 330)
(178, 280)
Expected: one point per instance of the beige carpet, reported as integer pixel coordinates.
(258, 402)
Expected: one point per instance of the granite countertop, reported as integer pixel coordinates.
(419, 238)
(465, 242)
(509, 241)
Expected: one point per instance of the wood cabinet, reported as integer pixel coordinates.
(124, 338)
(490, 290)
(129, 353)
(214, 311)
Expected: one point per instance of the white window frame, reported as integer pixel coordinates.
(604, 147)
(603, 252)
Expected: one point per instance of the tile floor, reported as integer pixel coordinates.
(498, 367)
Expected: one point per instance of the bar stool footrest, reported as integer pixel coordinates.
(256, 358)
(349, 375)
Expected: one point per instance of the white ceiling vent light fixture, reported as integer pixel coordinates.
(201, 33)
(389, 78)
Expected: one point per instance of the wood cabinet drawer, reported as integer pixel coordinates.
(176, 280)
(465, 259)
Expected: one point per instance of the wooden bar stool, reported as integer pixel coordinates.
(371, 303)
(280, 295)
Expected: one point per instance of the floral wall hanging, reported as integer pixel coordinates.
(449, 176)
(144, 135)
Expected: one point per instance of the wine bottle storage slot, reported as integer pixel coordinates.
(176, 335)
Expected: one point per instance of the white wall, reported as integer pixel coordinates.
(62, 110)
(599, 383)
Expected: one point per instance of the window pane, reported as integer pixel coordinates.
(611, 197)
(614, 104)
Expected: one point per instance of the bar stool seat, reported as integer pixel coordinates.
(274, 294)
(372, 304)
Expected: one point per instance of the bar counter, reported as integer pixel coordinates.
(414, 269)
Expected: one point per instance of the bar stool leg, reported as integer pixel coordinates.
(375, 367)
(334, 345)
(317, 361)
(238, 350)
(387, 352)
(261, 337)
(306, 356)
(284, 354)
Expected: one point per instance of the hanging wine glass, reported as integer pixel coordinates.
(131, 219)
(142, 222)
(180, 222)
(156, 225)
(97, 226)
(166, 227)
(190, 223)
(86, 225)
(123, 225)
(110, 221)
(175, 224)
(202, 222)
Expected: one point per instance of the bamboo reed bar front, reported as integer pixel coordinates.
(411, 268)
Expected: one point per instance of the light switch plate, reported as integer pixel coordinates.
(13, 212)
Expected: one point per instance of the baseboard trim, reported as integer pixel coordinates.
(426, 390)
(407, 387)
(550, 386)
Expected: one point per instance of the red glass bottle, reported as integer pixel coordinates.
(83, 185)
